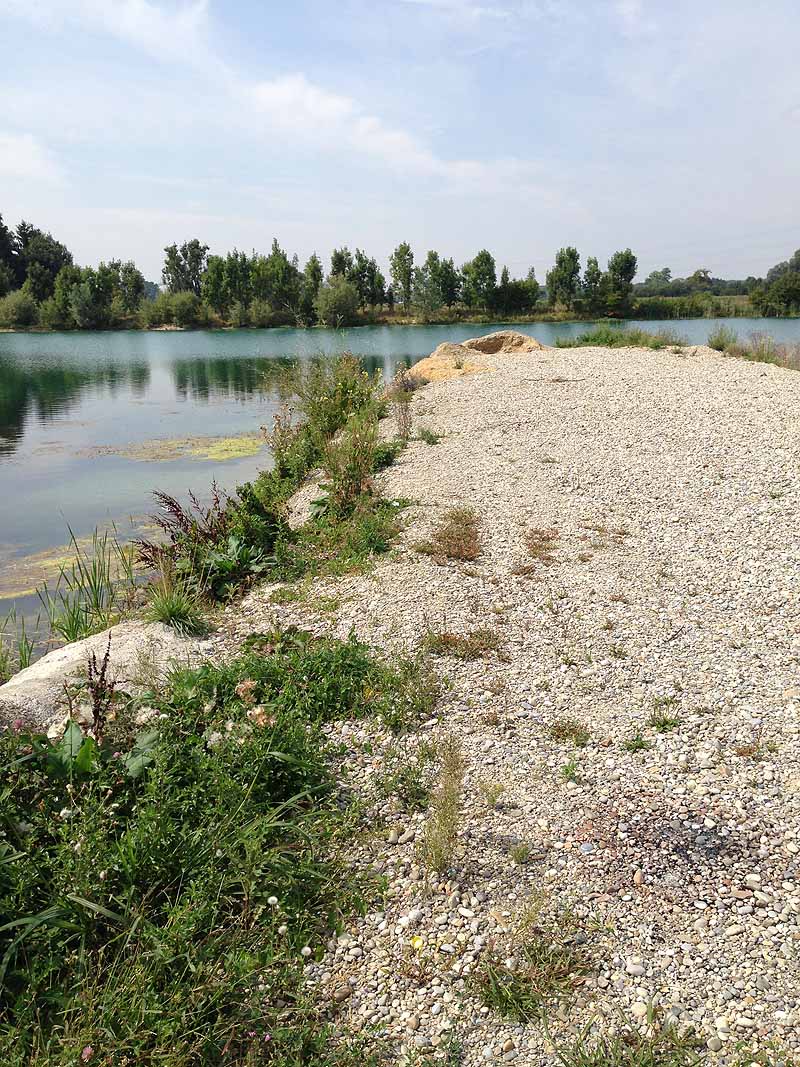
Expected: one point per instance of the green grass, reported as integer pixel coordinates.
(437, 844)
(430, 437)
(156, 889)
(544, 970)
(176, 603)
(636, 744)
(330, 547)
(634, 1046)
(608, 336)
(662, 723)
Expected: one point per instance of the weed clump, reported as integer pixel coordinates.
(456, 536)
(475, 645)
(441, 830)
(654, 1045)
(608, 336)
(176, 602)
(543, 965)
(565, 729)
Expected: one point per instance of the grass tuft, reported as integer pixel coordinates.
(475, 645)
(565, 729)
(456, 536)
(437, 844)
(176, 602)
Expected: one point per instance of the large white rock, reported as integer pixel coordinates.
(37, 694)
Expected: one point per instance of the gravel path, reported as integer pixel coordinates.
(668, 854)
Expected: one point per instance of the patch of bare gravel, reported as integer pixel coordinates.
(671, 482)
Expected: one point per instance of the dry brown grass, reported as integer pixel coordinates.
(540, 543)
(475, 645)
(456, 536)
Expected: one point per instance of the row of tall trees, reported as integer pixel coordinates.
(40, 283)
(595, 292)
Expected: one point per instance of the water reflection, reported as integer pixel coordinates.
(205, 379)
(48, 392)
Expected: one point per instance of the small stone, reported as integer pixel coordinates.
(714, 1044)
(342, 992)
(635, 966)
(639, 1009)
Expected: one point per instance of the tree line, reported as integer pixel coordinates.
(40, 284)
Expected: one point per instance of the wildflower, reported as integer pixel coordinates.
(283, 929)
(305, 951)
(17, 725)
(65, 813)
(272, 901)
(259, 716)
(214, 739)
(87, 1053)
(245, 691)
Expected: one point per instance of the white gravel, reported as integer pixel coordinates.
(672, 481)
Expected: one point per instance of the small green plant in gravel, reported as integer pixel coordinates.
(438, 840)
(570, 772)
(631, 1045)
(637, 743)
(429, 437)
(491, 792)
(385, 454)
(406, 777)
(544, 967)
(456, 536)
(520, 853)
(662, 723)
(564, 728)
(474, 645)
(175, 875)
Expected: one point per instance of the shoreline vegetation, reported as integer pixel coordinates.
(210, 552)
(179, 864)
(42, 288)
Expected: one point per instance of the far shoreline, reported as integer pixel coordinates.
(511, 320)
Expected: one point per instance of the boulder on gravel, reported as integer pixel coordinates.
(37, 697)
(449, 360)
(502, 341)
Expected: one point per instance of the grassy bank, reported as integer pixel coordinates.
(165, 875)
(759, 347)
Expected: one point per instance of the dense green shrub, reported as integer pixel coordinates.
(185, 309)
(337, 302)
(18, 309)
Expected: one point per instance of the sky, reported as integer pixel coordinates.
(668, 126)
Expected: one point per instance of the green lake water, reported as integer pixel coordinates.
(69, 403)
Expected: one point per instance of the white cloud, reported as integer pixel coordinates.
(23, 156)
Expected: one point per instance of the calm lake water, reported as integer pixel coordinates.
(68, 401)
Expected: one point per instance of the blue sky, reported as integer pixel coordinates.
(669, 126)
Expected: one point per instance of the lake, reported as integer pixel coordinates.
(76, 409)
